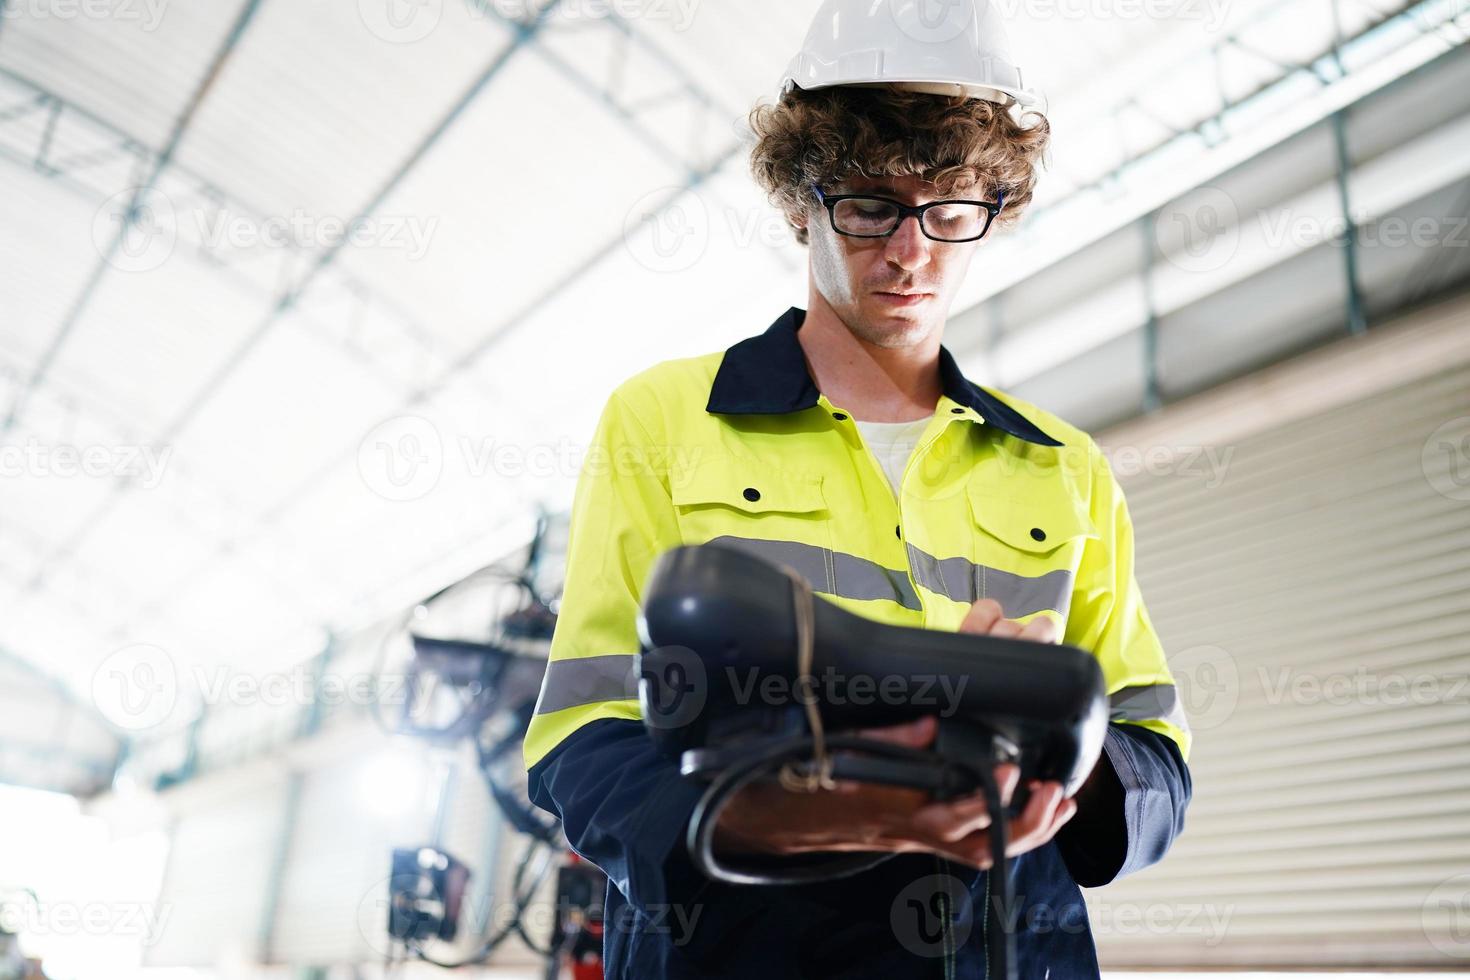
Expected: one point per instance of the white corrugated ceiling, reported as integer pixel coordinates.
(319, 434)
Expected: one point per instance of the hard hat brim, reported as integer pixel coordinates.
(1005, 95)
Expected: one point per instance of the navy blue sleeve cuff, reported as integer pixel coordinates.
(1132, 815)
(624, 807)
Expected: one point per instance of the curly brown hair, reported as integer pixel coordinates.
(825, 135)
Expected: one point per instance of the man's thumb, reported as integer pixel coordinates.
(916, 734)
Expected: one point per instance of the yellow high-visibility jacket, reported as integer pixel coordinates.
(1001, 500)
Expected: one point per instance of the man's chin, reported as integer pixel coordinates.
(884, 326)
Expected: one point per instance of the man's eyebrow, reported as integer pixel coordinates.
(884, 190)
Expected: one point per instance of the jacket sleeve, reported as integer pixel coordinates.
(1132, 807)
(623, 806)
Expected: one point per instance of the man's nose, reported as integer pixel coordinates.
(908, 247)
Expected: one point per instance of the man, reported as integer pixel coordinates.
(845, 442)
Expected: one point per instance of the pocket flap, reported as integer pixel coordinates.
(1038, 516)
(747, 484)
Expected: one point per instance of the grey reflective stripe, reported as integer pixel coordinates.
(587, 680)
(833, 572)
(1152, 702)
(964, 581)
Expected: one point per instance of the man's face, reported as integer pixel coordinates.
(860, 278)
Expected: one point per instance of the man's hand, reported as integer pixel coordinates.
(986, 617)
(854, 816)
(1039, 822)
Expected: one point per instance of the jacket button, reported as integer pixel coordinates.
(896, 532)
(957, 411)
(1038, 534)
(839, 416)
(751, 493)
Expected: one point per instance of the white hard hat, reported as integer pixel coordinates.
(944, 47)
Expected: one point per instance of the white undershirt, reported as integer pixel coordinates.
(893, 443)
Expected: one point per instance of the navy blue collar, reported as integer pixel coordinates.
(766, 375)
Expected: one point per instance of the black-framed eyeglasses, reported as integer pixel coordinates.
(868, 216)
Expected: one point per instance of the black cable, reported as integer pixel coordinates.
(523, 899)
(706, 815)
(700, 838)
(375, 706)
(1001, 958)
(523, 815)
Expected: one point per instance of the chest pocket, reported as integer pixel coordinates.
(1027, 544)
(778, 514)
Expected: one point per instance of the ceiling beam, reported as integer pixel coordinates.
(104, 264)
(289, 298)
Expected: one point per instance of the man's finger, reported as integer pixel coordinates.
(983, 615)
(954, 820)
(1007, 777)
(1037, 816)
(1006, 628)
(1042, 629)
(950, 822)
(916, 734)
(973, 851)
(1064, 812)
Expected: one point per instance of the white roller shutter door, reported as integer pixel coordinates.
(1314, 599)
(218, 876)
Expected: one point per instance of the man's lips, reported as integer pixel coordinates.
(902, 298)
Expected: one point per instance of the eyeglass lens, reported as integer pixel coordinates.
(948, 222)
